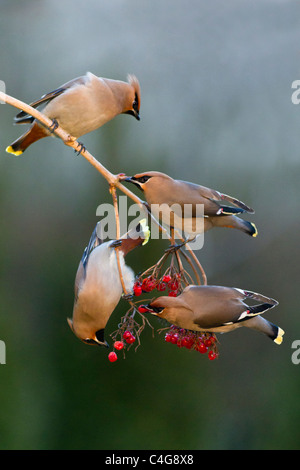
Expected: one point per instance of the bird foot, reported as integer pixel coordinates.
(81, 148)
(175, 247)
(116, 244)
(128, 297)
(53, 126)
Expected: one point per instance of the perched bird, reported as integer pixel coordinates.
(174, 202)
(98, 288)
(80, 106)
(217, 309)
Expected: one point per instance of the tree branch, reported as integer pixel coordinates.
(113, 180)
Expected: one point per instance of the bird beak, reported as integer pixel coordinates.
(99, 338)
(133, 113)
(123, 177)
(153, 310)
(103, 343)
(129, 179)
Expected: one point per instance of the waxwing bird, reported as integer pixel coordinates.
(216, 309)
(98, 288)
(175, 203)
(80, 106)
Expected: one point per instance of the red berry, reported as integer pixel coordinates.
(118, 345)
(161, 286)
(130, 340)
(202, 348)
(112, 357)
(168, 338)
(212, 355)
(166, 278)
(187, 342)
(174, 338)
(212, 339)
(172, 294)
(137, 290)
(142, 309)
(126, 334)
(145, 284)
(173, 285)
(148, 284)
(208, 342)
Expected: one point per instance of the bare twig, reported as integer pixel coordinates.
(115, 202)
(71, 141)
(204, 277)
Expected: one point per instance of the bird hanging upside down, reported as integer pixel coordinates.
(80, 106)
(216, 309)
(98, 287)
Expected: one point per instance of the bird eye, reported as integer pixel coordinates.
(144, 179)
(135, 104)
(158, 310)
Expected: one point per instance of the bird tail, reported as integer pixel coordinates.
(261, 298)
(256, 321)
(232, 221)
(259, 323)
(241, 205)
(33, 134)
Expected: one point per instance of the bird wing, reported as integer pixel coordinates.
(214, 306)
(212, 200)
(218, 306)
(22, 117)
(95, 240)
(80, 275)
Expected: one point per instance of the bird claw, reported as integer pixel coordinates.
(53, 126)
(174, 248)
(116, 244)
(81, 147)
(127, 297)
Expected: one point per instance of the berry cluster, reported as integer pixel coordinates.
(128, 337)
(170, 283)
(197, 340)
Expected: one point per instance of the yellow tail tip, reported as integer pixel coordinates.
(256, 231)
(146, 230)
(9, 149)
(279, 338)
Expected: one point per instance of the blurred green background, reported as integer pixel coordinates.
(216, 110)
